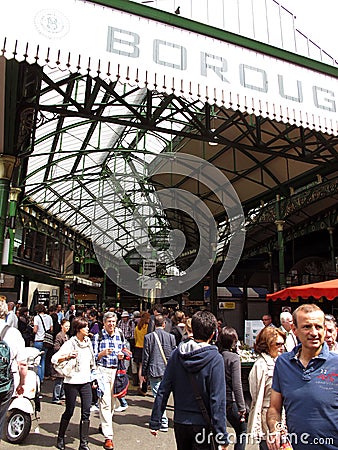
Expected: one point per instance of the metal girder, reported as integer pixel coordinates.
(298, 205)
(250, 149)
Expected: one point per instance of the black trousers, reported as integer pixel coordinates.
(71, 392)
(191, 437)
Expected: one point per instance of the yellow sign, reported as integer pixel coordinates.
(227, 305)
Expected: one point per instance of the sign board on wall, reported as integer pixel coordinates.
(194, 303)
(81, 36)
(7, 281)
(226, 305)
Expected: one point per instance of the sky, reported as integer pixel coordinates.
(314, 18)
(318, 20)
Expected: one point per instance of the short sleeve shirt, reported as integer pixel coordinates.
(310, 398)
(48, 322)
(16, 344)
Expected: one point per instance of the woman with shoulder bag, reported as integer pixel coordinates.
(77, 350)
(235, 404)
(24, 326)
(60, 339)
(42, 323)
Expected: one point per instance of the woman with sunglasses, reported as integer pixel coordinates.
(269, 345)
(235, 404)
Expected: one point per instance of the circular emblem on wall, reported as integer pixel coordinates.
(51, 23)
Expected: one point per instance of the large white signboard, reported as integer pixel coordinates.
(82, 36)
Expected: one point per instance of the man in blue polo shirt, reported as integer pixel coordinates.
(305, 382)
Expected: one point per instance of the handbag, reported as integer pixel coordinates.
(211, 435)
(121, 382)
(48, 339)
(65, 368)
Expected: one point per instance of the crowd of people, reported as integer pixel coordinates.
(293, 382)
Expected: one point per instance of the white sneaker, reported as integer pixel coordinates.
(121, 408)
(94, 408)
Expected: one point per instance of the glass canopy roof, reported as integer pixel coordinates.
(92, 174)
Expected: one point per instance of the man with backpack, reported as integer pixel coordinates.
(13, 364)
(157, 349)
(195, 376)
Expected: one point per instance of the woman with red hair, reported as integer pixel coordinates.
(269, 345)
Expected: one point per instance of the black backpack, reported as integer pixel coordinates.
(5, 364)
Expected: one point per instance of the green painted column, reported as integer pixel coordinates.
(280, 239)
(13, 202)
(7, 164)
(333, 259)
(213, 289)
(281, 262)
(104, 289)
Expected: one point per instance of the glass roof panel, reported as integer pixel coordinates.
(85, 170)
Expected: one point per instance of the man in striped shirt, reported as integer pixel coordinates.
(108, 345)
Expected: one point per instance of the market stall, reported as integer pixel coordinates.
(327, 289)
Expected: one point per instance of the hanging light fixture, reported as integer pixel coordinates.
(212, 123)
(211, 142)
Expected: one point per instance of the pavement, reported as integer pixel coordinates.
(131, 429)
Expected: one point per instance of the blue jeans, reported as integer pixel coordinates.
(155, 384)
(58, 391)
(41, 367)
(123, 401)
(238, 426)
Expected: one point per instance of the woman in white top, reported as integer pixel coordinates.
(269, 345)
(78, 348)
(42, 323)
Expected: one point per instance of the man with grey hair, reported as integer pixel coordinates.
(12, 337)
(305, 385)
(286, 326)
(157, 349)
(331, 332)
(11, 318)
(108, 345)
